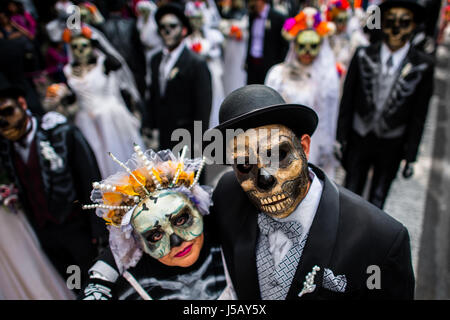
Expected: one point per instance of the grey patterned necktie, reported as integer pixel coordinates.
(274, 282)
(389, 64)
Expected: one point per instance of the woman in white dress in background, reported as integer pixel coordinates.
(207, 42)
(103, 117)
(308, 76)
(234, 26)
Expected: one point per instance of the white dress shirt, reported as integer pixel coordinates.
(258, 29)
(166, 66)
(397, 57)
(304, 214)
(24, 149)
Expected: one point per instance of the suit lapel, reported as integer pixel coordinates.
(244, 253)
(321, 239)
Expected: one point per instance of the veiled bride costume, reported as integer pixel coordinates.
(95, 77)
(315, 85)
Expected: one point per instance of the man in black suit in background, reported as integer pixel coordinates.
(180, 91)
(385, 103)
(287, 231)
(266, 46)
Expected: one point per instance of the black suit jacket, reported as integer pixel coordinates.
(275, 46)
(408, 101)
(68, 187)
(347, 235)
(187, 98)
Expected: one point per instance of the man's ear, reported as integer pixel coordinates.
(184, 32)
(305, 141)
(22, 103)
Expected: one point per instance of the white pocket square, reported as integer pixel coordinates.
(334, 283)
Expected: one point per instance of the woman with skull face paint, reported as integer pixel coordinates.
(159, 237)
(103, 117)
(308, 76)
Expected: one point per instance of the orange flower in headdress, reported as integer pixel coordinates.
(308, 18)
(85, 32)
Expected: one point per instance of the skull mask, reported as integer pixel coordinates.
(13, 120)
(165, 220)
(307, 46)
(81, 49)
(398, 26)
(274, 187)
(171, 30)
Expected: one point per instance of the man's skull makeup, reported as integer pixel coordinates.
(170, 29)
(398, 26)
(13, 120)
(275, 188)
(165, 220)
(307, 46)
(82, 49)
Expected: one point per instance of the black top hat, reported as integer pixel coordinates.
(414, 5)
(175, 9)
(258, 105)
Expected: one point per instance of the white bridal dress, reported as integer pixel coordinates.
(103, 118)
(25, 271)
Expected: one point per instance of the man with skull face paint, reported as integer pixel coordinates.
(52, 165)
(287, 231)
(180, 90)
(385, 103)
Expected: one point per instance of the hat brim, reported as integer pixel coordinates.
(299, 118)
(176, 10)
(417, 9)
(12, 92)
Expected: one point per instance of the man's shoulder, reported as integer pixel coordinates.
(51, 120)
(362, 218)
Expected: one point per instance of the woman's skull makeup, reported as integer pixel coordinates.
(82, 49)
(341, 21)
(196, 21)
(398, 26)
(271, 167)
(307, 46)
(165, 220)
(170, 29)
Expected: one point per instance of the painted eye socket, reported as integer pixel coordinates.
(7, 111)
(155, 236)
(182, 219)
(244, 168)
(405, 23)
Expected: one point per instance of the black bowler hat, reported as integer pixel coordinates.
(414, 5)
(8, 90)
(176, 9)
(258, 105)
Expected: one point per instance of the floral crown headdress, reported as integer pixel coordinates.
(336, 6)
(69, 34)
(145, 173)
(307, 19)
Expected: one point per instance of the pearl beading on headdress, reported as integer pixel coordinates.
(104, 206)
(128, 171)
(147, 164)
(197, 176)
